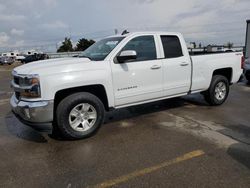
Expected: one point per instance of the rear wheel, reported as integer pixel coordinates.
(79, 115)
(218, 90)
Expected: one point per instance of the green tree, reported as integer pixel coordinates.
(194, 44)
(229, 45)
(66, 46)
(83, 44)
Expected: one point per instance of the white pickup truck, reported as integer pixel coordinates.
(119, 71)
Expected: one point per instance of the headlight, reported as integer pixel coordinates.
(33, 84)
(33, 92)
(27, 80)
(27, 86)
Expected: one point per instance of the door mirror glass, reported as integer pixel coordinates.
(127, 55)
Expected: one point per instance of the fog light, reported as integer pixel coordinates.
(27, 112)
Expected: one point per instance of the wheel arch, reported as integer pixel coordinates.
(227, 72)
(98, 90)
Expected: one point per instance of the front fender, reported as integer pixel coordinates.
(56, 82)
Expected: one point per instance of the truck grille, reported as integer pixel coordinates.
(17, 94)
(16, 80)
(19, 80)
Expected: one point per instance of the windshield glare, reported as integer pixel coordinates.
(101, 49)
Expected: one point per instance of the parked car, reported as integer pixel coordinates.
(117, 72)
(6, 60)
(20, 57)
(34, 57)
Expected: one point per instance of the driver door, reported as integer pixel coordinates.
(140, 79)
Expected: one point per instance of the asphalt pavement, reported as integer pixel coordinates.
(179, 142)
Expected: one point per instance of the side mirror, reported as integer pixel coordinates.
(126, 56)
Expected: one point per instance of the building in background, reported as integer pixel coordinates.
(222, 48)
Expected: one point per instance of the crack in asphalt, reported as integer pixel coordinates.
(211, 126)
(235, 138)
(208, 130)
(220, 127)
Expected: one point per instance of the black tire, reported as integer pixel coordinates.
(210, 94)
(248, 80)
(67, 104)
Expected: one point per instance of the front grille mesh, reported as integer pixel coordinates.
(16, 80)
(17, 94)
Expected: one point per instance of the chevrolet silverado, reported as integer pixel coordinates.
(118, 71)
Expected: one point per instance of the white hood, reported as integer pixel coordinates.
(59, 65)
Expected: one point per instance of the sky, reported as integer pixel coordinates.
(43, 24)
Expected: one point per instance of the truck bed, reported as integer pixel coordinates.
(205, 64)
(207, 53)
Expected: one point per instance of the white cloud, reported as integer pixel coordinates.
(50, 2)
(4, 38)
(17, 32)
(37, 15)
(32, 3)
(55, 25)
(144, 1)
(2, 7)
(207, 22)
(214, 21)
(11, 17)
(19, 43)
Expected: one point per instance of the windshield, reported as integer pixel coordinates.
(101, 49)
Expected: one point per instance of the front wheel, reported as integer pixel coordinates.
(218, 90)
(248, 79)
(79, 115)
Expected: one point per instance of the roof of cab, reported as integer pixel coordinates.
(147, 33)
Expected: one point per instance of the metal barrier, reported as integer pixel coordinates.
(63, 54)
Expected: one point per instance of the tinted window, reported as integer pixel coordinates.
(144, 47)
(171, 46)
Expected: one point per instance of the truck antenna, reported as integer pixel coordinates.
(125, 32)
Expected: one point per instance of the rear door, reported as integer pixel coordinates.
(176, 66)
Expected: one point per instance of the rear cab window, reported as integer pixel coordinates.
(171, 46)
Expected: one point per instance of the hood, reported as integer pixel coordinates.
(53, 66)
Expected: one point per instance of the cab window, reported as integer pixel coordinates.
(171, 46)
(144, 47)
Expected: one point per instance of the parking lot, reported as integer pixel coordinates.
(179, 142)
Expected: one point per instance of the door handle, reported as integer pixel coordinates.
(184, 64)
(156, 67)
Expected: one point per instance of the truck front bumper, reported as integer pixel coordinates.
(38, 112)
